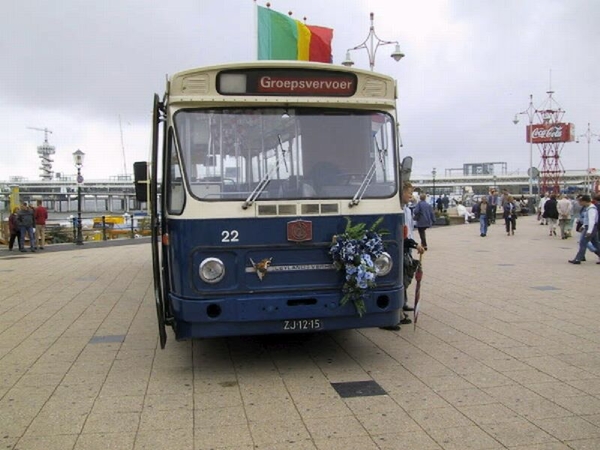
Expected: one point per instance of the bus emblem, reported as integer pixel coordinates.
(261, 267)
(299, 231)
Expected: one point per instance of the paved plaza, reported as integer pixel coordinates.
(506, 354)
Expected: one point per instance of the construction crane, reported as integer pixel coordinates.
(44, 152)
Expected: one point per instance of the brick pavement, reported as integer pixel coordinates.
(506, 355)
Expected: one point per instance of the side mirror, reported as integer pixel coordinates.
(405, 169)
(140, 175)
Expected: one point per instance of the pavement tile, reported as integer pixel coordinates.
(402, 441)
(334, 427)
(219, 399)
(174, 419)
(419, 400)
(127, 403)
(164, 402)
(306, 444)
(279, 432)
(105, 441)
(385, 422)
(518, 432)
(568, 428)
(464, 438)
(434, 418)
(358, 442)
(489, 414)
(183, 439)
(580, 405)
(466, 397)
(112, 422)
(584, 444)
(220, 417)
(266, 411)
(63, 442)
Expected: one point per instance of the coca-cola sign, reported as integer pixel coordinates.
(555, 132)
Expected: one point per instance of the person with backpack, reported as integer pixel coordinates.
(588, 229)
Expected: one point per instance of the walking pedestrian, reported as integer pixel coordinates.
(482, 211)
(26, 221)
(575, 213)
(565, 210)
(541, 206)
(493, 206)
(551, 214)
(15, 230)
(424, 218)
(510, 215)
(588, 229)
(40, 215)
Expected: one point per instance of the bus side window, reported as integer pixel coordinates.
(175, 191)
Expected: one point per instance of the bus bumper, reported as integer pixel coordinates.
(281, 314)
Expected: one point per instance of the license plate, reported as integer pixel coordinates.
(302, 325)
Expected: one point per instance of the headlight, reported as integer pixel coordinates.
(212, 270)
(383, 264)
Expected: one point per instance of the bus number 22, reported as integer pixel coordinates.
(230, 236)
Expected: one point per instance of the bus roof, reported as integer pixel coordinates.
(191, 84)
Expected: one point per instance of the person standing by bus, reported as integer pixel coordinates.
(424, 218)
(40, 215)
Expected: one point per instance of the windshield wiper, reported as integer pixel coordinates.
(368, 177)
(264, 182)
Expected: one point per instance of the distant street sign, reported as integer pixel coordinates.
(79, 179)
(533, 172)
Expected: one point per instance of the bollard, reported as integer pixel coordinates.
(74, 229)
(103, 228)
(132, 233)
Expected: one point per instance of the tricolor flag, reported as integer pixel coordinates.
(281, 37)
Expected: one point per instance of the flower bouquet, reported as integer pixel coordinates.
(355, 252)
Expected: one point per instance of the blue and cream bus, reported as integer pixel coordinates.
(255, 169)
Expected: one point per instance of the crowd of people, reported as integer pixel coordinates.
(560, 213)
(29, 222)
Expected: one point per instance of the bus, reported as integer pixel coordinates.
(256, 171)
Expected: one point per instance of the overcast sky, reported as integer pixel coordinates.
(470, 65)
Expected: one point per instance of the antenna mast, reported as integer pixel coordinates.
(123, 147)
(44, 152)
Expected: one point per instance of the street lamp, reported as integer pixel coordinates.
(371, 48)
(530, 113)
(78, 160)
(588, 135)
(433, 172)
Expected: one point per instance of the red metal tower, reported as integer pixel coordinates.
(550, 135)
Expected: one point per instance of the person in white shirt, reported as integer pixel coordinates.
(543, 201)
(565, 209)
(462, 212)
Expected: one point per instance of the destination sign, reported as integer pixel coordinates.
(287, 82)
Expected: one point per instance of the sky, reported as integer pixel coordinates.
(87, 71)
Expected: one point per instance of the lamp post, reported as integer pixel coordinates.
(433, 173)
(530, 113)
(588, 135)
(371, 46)
(78, 160)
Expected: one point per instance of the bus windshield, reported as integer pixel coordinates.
(279, 153)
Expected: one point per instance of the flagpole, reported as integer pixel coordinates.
(255, 30)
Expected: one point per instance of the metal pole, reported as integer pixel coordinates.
(79, 240)
(588, 188)
(530, 156)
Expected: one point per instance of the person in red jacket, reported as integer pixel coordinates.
(41, 215)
